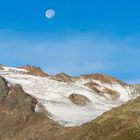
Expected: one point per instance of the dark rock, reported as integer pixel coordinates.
(4, 89)
(18, 119)
(78, 99)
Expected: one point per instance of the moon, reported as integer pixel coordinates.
(50, 13)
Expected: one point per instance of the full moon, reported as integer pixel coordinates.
(50, 13)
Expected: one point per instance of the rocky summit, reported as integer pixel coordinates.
(38, 106)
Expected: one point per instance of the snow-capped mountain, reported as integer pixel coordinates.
(70, 101)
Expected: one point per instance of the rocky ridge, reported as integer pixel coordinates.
(36, 71)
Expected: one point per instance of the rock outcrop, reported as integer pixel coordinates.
(102, 90)
(4, 89)
(62, 77)
(78, 99)
(1, 68)
(18, 119)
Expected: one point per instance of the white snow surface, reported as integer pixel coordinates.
(53, 95)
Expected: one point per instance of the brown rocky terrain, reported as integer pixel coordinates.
(78, 99)
(62, 77)
(102, 78)
(19, 121)
(34, 71)
(1, 68)
(102, 90)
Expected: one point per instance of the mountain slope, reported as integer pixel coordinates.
(121, 123)
(19, 121)
(102, 92)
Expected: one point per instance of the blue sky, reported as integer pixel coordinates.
(85, 36)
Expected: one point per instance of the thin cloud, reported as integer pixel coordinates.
(74, 54)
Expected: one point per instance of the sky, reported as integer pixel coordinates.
(85, 36)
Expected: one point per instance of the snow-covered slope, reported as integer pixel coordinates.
(54, 95)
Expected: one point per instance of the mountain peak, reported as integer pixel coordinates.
(62, 77)
(32, 70)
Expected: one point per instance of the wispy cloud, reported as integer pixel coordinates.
(74, 54)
